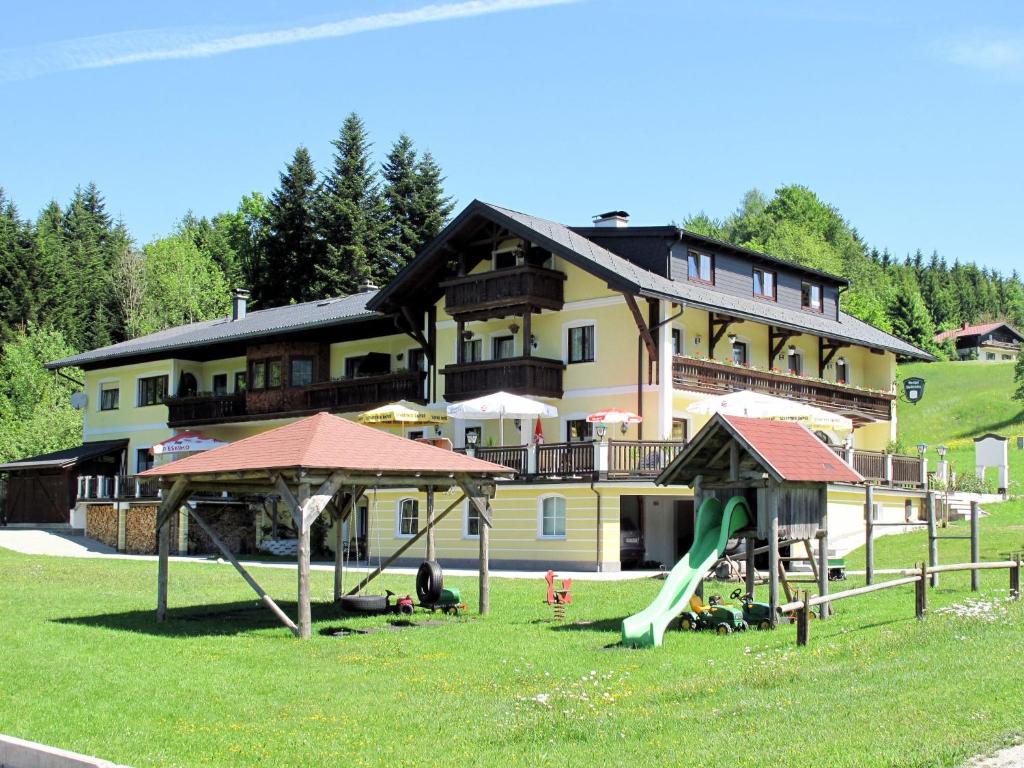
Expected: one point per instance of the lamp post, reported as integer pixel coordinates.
(943, 469)
(471, 438)
(601, 430)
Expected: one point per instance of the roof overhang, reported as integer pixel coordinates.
(67, 458)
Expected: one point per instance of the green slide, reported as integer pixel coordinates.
(714, 527)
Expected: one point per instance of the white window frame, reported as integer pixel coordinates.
(849, 373)
(800, 355)
(99, 393)
(135, 455)
(466, 506)
(565, 340)
(458, 346)
(682, 338)
(540, 517)
(739, 340)
(170, 386)
(516, 351)
(398, 517)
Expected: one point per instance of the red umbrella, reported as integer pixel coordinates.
(614, 416)
(538, 434)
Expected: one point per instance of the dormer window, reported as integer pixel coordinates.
(700, 267)
(811, 297)
(764, 284)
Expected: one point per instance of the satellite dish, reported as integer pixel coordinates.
(78, 400)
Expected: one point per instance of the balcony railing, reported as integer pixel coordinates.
(537, 376)
(515, 457)
(714, 377)
(367, 392)
(354, 394)
(503, 292)
(616, 459)
(204, 409)
(886, 468)
(641, 458)
(116, 488)
(566, 459)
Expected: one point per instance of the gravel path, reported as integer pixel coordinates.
(1011, 757)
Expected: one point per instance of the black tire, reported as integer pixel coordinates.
(364, 603)
(723, 629)
(686, 624)
(764, 624)
(429, 581)
(744, 626)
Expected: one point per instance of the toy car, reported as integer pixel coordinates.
(755, 614)
(723, 619)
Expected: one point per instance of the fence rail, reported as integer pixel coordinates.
(641, 458)
(561, 459)
(116, 488)
(512, 456)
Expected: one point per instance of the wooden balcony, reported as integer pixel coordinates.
(860, 405)
(503, 292)
(589, 460)
(204, 409)
(537, 376)
(344, 395)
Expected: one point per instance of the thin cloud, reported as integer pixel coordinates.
(995, 53)
(121, 49)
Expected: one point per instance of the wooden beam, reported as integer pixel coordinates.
(645, 332)
(777, 339)
(176, 494)
(717, 326)
(305, 621)
(266, 599)
(316, 503)
(826, 351)
(401, 550)
(289, 500)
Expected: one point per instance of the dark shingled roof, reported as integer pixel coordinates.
(68, 457)
(264, 322)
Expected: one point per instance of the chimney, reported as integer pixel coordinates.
(612, 219)
(367, 286)
(239, 303)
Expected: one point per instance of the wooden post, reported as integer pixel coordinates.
(975, 544)
(921, 593)
(339, 558)
(485, 565)
(751, 574)
(869, 534)
(431, 550)
(933, 537)
(803, 621)
(825, 608)
(773, 555)
(163, 550)
(304, 611)
(1015, 578)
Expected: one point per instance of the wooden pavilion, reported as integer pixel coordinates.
(781, 469)
(321, 464)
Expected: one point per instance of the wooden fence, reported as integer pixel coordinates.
(920, 577)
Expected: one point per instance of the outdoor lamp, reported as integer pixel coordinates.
(513, 327)
(602, 430)
(698, 339)
(941, 450)
(533, 342)
(921, 448)
(840, 360)
(624, 427)
(732, 338)
(471, 438)
(792, 350)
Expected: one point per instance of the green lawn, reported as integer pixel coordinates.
(86, 668)
(962, 401)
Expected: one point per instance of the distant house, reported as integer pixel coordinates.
(989, 341)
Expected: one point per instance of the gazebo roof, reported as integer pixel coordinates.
(788, 451)
(328, 442)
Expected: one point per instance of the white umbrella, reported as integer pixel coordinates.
(501, 406)
(760, 406)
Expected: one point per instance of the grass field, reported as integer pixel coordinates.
(86, 668)
(962, 401)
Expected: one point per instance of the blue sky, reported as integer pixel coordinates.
(907, 116)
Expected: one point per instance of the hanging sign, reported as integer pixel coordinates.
(913, 388)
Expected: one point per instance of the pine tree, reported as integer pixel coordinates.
(433, 205)
(19, 275)
(351, 217)
(1018, 377)
(291, 246)
(910, 318)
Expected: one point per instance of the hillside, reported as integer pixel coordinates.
(962, 400)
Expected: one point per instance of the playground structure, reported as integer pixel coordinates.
(752, 479)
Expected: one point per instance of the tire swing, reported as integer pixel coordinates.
(363, 603)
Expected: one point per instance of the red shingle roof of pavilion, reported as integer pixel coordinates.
(793, 451)
(324, 441)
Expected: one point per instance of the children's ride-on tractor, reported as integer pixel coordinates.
(755, 614)
(723, 619)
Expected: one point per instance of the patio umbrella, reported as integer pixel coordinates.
(186, 442)
(501, 406)
(401, 414)
(614, 416)
(760, 406)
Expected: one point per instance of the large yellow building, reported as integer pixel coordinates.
(644, 319)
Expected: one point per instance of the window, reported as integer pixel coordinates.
(152, 390)
(417, 360)
(581, 344)
(700, 267)
(408, 517)
(739, 352)
(579, 430)
(810, 297)
(503, 347)
(472, 517)
(301, 374)
(110, 397)
(352, 366)
(273, 373)
(143, 460)
(677, 341)
(220, 384)
(472, 350)
(239, 381)
(1007, 357)
(764, 284)
(990, 355)
(415, 434)
(552, 517)
(795, 364)
(842, 372)
(680, 429)
(259, 375)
